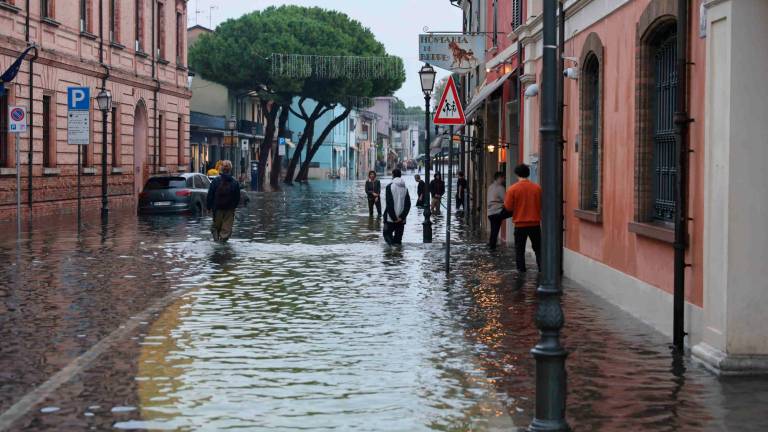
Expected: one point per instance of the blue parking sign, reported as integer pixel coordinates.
(78, 98)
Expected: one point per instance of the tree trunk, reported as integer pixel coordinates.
(277, 165)
(309, 132)
(294, 162)
(311, 151)
(266, 145)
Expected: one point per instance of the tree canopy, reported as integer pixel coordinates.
(238, 53)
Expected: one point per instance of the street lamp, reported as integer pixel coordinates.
(231, 126)
(427, 75)
(549, 353)
(104, 101)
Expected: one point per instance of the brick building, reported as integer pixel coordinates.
(134, 48)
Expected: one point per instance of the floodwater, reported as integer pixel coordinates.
(307, 320)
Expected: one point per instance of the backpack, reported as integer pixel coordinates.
(225, 193)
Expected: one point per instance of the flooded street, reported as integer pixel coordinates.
(307, 320)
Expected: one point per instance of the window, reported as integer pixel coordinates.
(116, 138)
(85, 15)
(160, 120)
(114, 21)
(5, 145)
(160, 31)
(517, 14)
(139, 25)
(591, 134)
(46, 8)
(179, 38)
(664, 141)
(47, 137)
(656, 149)
(180, 140)
(495, 23)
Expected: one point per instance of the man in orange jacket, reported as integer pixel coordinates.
(523, 200)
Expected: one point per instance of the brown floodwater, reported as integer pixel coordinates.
(307, 320)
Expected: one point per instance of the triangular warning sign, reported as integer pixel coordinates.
(449, 111)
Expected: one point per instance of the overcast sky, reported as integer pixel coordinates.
(396, 23)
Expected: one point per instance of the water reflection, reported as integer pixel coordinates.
(307, 320)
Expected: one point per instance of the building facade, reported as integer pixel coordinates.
(620, 157)
(331, 159)
(139, 54)
(224, 125)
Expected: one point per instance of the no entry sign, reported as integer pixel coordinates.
(17, 119)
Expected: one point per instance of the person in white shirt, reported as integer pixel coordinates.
(496, 211)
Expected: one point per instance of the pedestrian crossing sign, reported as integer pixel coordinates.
(449, 111)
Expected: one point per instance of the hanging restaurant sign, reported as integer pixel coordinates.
(454, 52)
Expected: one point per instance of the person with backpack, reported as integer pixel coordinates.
(223, 198)
(398, 205)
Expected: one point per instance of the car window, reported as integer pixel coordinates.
(206, 181)
(157, 183)
(190, 184)
(199, 182)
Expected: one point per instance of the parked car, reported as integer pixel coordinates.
(182, 193)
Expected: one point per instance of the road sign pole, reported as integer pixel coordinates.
(450, 197)
(79, 172)
(18, 186)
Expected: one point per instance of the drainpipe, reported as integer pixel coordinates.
(155, 143)
(560, 126)
(682, 121)
(30, 151)
(104, 114)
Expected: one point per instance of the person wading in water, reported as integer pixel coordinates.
(223, 198)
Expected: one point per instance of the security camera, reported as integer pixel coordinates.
(572, 73)
(532, 91)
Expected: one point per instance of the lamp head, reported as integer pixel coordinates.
(427, 75)
(104, 100)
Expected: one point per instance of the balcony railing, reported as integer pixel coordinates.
(251, 128)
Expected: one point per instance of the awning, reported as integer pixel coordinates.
(483, 94)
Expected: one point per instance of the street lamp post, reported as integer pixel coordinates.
(549, 353)
(232, 127)
(104, 101)
(427, 75)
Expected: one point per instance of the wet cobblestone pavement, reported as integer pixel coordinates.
(306, 320)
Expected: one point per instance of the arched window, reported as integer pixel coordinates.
(655, 142)
(664, 171)
(591, 128)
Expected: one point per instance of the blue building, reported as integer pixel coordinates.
(332, 159)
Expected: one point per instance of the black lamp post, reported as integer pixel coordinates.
(549, 353)
(427, 75)
(104, 101)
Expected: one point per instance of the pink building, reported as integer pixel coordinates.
(620, 164)
(134, 48)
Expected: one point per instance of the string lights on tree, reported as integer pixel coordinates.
(299, 66)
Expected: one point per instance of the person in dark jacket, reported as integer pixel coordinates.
(373, 192)
(421, 191)
(398, 206)
(437, 189)
(223, 198)
(461, 190)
